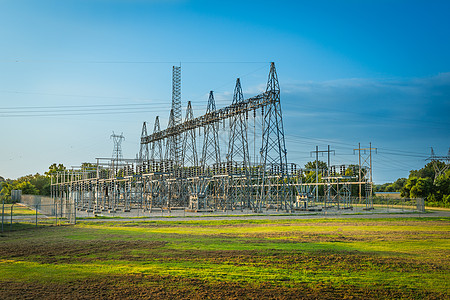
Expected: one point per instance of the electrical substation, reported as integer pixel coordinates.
(216, 161)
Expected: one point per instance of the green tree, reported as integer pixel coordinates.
(352, 170)
(41, 182)
(7, 187)
(26, 187)
(54, 168)
(422, 188)
(426, 171)
(312, 165)
(446, 200)
(442, 186)
(422, 183)
(88, 166)
(392, 187)
(405, 192)
(398, 184)
(386, 187)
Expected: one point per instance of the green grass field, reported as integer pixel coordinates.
(18, 210)
(281, 259)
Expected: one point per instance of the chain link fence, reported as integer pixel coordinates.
(35, 211)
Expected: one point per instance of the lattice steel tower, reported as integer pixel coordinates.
(238, 143)
(156, 147)
(189, 156)
(365, 173)
(211, 148)
(440, 163)
(117, 151)
(273, 149)
(177, 114)
(171, 140)
(143, 152)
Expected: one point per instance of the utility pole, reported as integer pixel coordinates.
(328, 151)
(365, 162)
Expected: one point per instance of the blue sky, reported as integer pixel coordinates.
(350, 72)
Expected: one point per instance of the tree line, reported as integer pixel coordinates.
(36, 184)
(423, 183)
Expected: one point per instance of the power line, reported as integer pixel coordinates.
(62, 95)
(77, 114)
(396, 118)
(128, 62)
(102, 106)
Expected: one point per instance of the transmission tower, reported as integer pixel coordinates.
(211, 149)
(143, 152)
(365, 172)
(177, 115)
(171, 140)
(326, 190)
(117, 151)
(238, 143)
(189, 155)
(156, 147)
(440, 163)
(273, 150)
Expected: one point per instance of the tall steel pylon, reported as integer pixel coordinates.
(170, 142)
(156, 147)
(211, 148)
(273, 149)
(238, 142)
(365, 173)
(437, 161)
(328, 172)
(189, 153)
(117, 150)
(177, 114)
(143, 152)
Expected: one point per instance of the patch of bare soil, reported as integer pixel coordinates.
(347, 236)
(170, 287)
(84, 251)
(317, 261)
(67, 251)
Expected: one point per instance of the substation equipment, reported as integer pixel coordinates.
(205, 164)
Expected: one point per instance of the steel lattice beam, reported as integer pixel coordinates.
(247, 105)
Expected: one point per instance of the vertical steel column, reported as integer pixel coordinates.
(273, 150)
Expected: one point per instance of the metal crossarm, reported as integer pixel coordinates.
(247, 105)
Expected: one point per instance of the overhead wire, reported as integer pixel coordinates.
(103, 109)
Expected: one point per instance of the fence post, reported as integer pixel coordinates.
(3, 212)
(36, 214)
(10, 228)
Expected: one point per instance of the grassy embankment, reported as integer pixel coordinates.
(324, 258)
